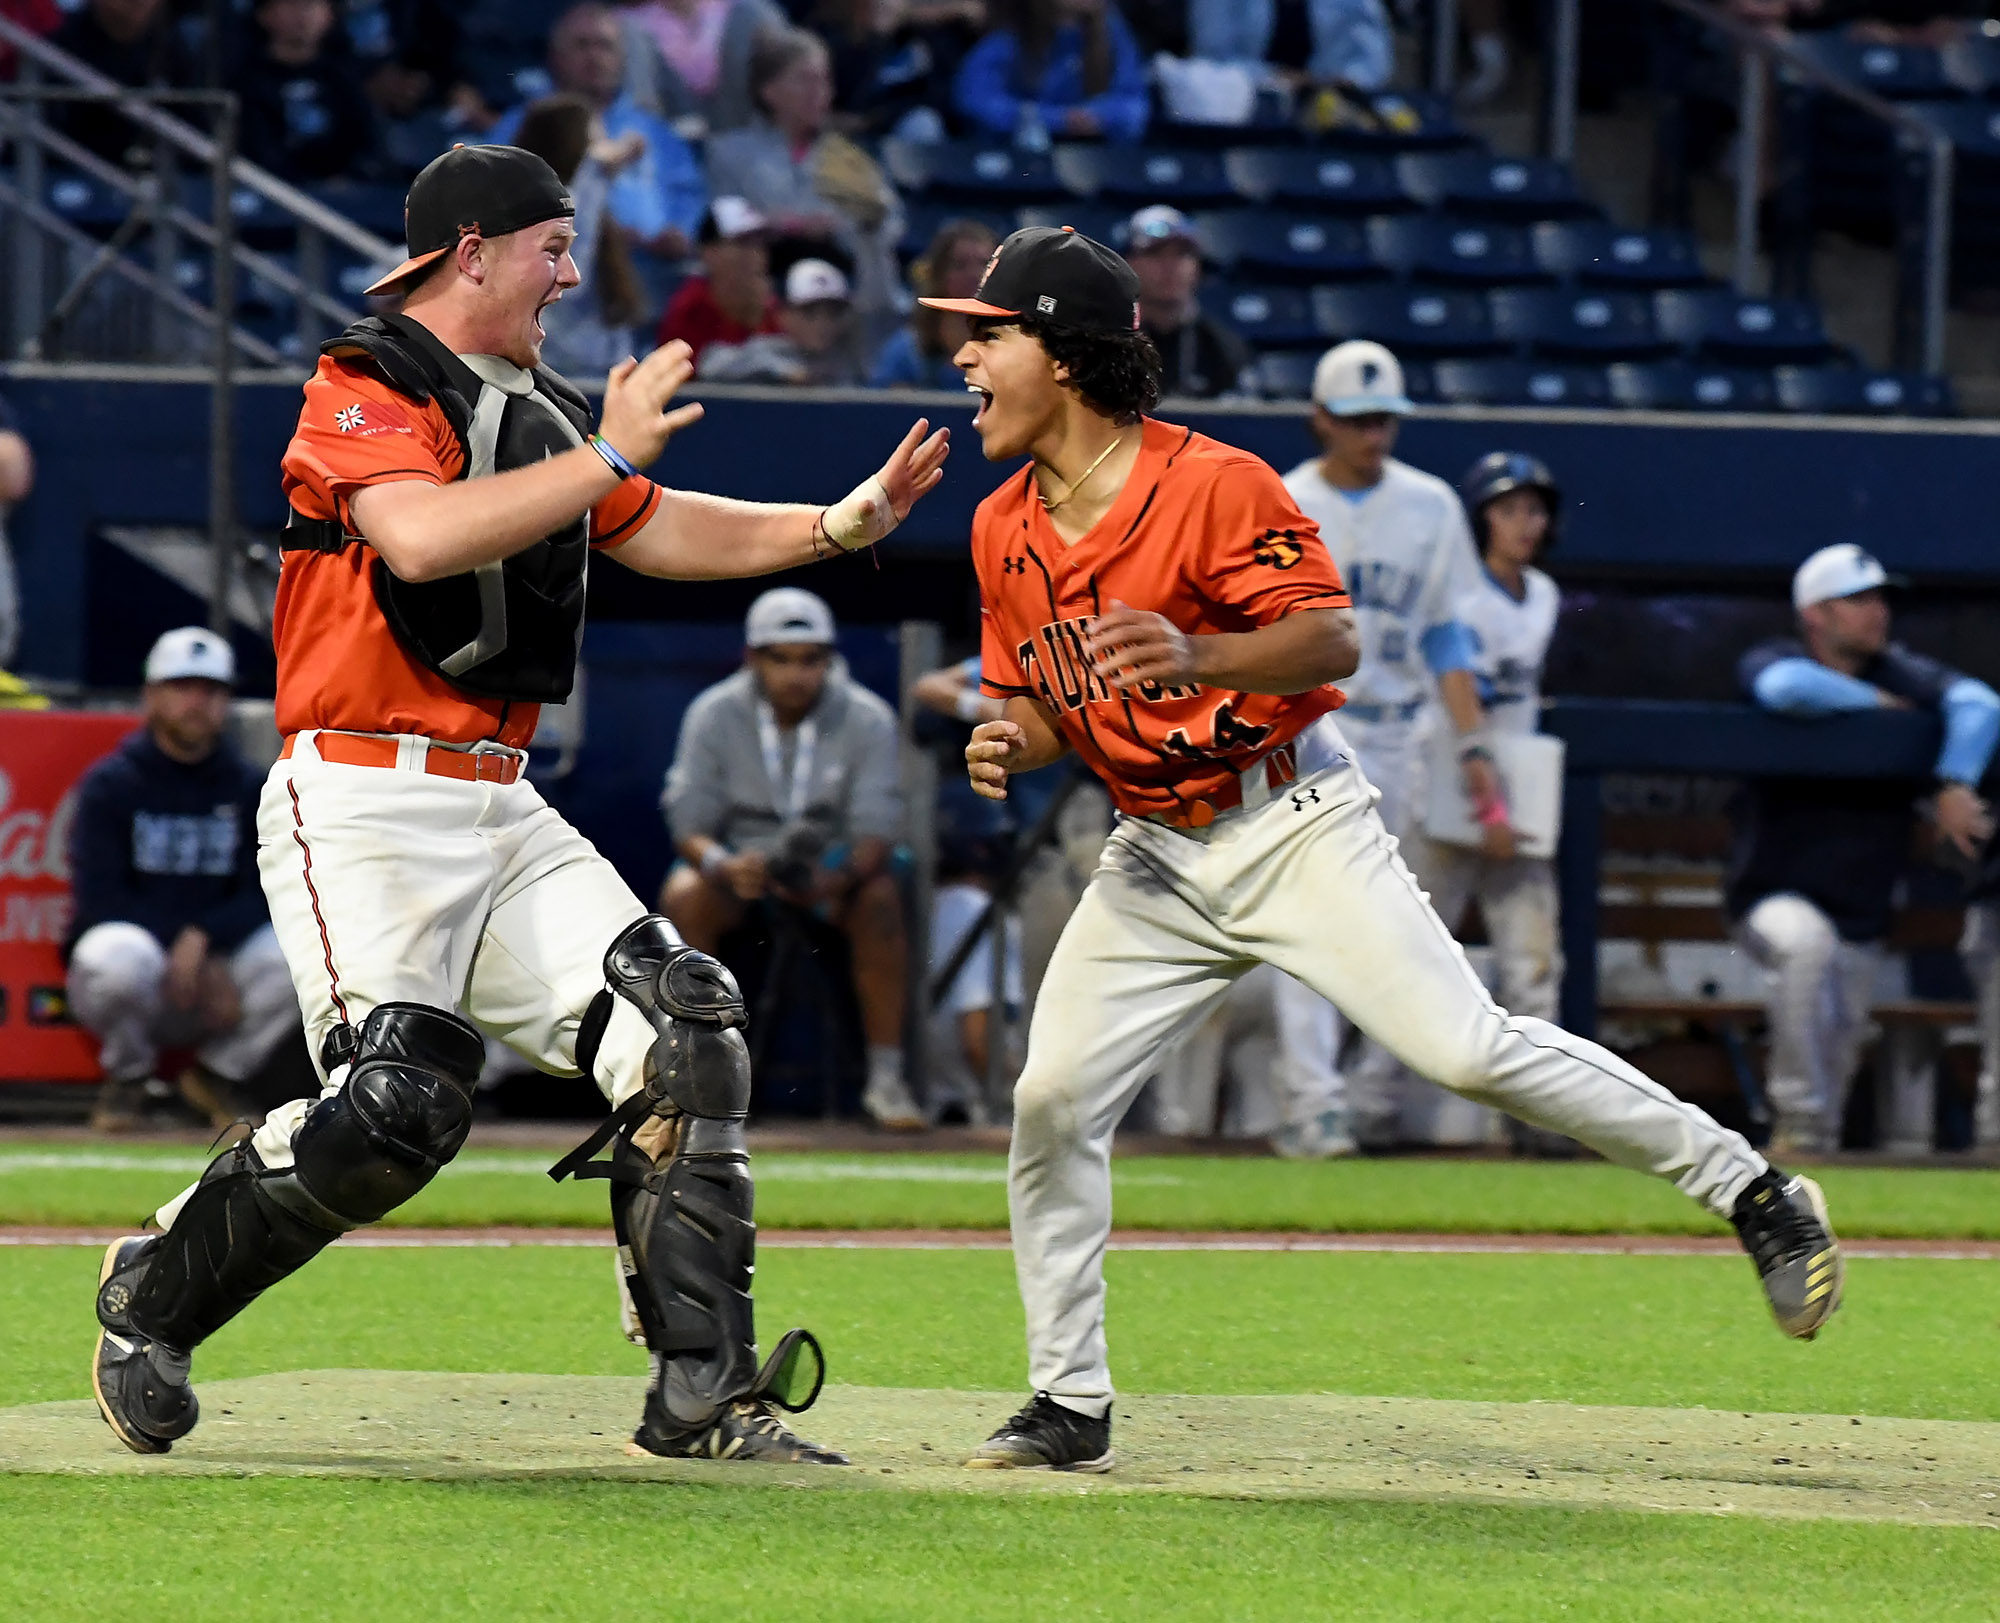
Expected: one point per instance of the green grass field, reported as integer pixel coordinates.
(1437, 1359)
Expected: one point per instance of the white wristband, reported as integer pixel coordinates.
(860, 518)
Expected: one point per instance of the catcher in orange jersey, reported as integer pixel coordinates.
(1155, 602)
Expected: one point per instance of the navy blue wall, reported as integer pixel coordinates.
(1686, 496)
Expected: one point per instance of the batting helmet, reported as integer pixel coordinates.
(1498, 472)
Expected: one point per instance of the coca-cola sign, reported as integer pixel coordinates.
(43, 758)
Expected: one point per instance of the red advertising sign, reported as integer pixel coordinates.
(43, 756)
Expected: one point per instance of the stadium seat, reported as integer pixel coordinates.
(1266, 317)
(1684, 386)
(922, 218)
(1599, 325)
(1420, 320)
(1496, 188)
(1722, 324)
(1402, 121)
(1847, 390)
(987, 171)
(1342, 182)
(374, 208)
(1519, 383)
(1104, 221)
(1434, 247)
(1597, 253)
(1261, 244)
(1286, 374)
(1904, 72)
(86, 202)
(1141, 175)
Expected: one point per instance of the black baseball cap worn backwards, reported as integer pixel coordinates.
(490, 190)
(1054, 274)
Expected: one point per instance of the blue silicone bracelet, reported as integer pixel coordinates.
(612, 459)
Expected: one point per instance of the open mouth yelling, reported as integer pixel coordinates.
(985, 397)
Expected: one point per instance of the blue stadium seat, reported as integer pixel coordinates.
(374, 208)
(989, 171)
(1141, 175)
(1260, 244)
(1105, 222)
(1342, 182)
(1722, 324)
(1434, 247)
(1597, 253)
(1972, 126)
(1267, 317)
(1497, 188)
(1520, 383)
(922, 217)
(1849, 390)
(1598, 325)
(1404, 121)
(84, 201)
(1896, 71)
(1420, 320)
(1286, 374)
(1684, 386)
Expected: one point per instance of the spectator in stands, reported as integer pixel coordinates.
(1980, 949)
(304, 115)
(42, 17)
(974, 838)
(731, 299)
(1066, 70)
(405, 50)
(1198, 355)
(1935, 23)
(656, 189)
(893, 60)
(1351, 40)
(1816, 860)
(171, 945)
(810, 182)
(498, 53)
(817, 345)
(919, 354)
(810, 820)
(133, 42)
(17, 479)
(590, 328)
(690, 59)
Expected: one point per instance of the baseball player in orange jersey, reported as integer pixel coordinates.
(446, 491)
(1154, 601)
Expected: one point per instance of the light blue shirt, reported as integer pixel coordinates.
(661, 187)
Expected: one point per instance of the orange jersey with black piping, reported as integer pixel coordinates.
(339, 664)
(1203, 534)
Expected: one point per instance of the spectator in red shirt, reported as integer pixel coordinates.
(732, 300)
(37, 16)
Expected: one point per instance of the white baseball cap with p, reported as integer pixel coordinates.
(1360, 377)
(192, 651)
(1840, 570)
(788, 614)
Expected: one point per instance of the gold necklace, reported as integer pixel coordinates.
(1050, 506)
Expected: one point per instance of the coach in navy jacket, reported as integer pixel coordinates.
(171, 944)
(1812, 880)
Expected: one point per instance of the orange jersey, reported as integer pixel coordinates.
(339, 664)
(1202, 533)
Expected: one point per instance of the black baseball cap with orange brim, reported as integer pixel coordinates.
(1054, 274)
(490, 191)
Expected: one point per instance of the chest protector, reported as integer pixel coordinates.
(507, 630)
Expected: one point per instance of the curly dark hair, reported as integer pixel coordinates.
(1116, 373)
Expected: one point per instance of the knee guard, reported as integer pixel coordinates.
(402, 1113)
(687, 1235)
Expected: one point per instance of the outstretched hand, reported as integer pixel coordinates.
(635, 421)
(877, 505)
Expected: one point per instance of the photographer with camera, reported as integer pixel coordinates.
(784, 791)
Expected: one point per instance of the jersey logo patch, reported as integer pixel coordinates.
(1013, 566)
(380, 417)
(348, 419)
(1278, 549)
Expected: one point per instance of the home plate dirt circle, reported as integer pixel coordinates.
(422, 1425)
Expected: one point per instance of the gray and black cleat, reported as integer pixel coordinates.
(1047, 1436)
(748, 1429)
(1782, 1223)
(141, 1385)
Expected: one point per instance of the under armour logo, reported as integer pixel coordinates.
(1302, 798)
(1013, 566)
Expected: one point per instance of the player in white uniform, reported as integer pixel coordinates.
(1399, 538)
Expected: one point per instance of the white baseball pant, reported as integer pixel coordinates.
(1308, 881)
(1819, 991)
(117, 972)
(393, 885)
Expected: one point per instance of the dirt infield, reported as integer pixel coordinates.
(1568, 1245)
(442, 1427)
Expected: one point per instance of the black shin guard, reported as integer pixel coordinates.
(403, 1112)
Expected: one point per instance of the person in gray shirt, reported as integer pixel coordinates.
(786, 785)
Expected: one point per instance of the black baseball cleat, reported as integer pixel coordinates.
(1782, 1223)
(748, 1429)
(141, 1385)
(1047, 1436)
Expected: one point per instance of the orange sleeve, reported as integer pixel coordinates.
(354, 430)
(1262, 556)
(625, 512)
